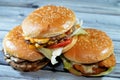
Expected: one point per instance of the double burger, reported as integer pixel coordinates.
(92, 55)
(19, 54)
(52, 30)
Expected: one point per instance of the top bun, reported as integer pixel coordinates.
(48, 21)
(91, 48)
(15, 45)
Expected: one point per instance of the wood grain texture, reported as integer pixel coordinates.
(88, 6)
(99, 14)
(49, 75)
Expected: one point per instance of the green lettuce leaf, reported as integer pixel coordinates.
(78, 32)
(46, 52)
(51, 54)
(68, 65)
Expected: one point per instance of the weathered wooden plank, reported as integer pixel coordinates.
(87, 8)
(104, 22)
(99, 18)
(116, 45)
(103, 7)
(2, 34)
(60, 78)
(12, 16)
(22, 3)
(9, 11)
(20, 13)
(11, 78)
(8, 72)
(100, 14)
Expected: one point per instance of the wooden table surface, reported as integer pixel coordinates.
(99, 14)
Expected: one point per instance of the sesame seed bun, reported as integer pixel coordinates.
(91, 48)
(48, 21)
(15, 45)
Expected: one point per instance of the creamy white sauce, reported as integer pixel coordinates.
(8, 60)
(16, 59)
(89, 68)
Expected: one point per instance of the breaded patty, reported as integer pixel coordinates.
(96, 68)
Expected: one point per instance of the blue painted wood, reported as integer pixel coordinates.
(49, 75)
(99, 14)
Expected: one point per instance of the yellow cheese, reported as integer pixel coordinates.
(33, 40)
(41, 40)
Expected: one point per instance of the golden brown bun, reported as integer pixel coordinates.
(15, 45)
(109, 62)
(48, 21)
(91, 48)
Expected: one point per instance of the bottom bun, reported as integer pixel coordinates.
(105, 72)
(77, 73)
(95, 69)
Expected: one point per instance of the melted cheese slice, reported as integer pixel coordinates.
(33, 40)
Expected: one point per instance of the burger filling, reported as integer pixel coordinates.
(53, 46)
(95, 69)
(59, 40)
(53, 42)
(25, 65)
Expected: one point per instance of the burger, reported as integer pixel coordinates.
(19, 54)
(52, 30)
(92, 55)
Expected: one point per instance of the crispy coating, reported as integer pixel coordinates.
(111, 61)
(96, 68)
